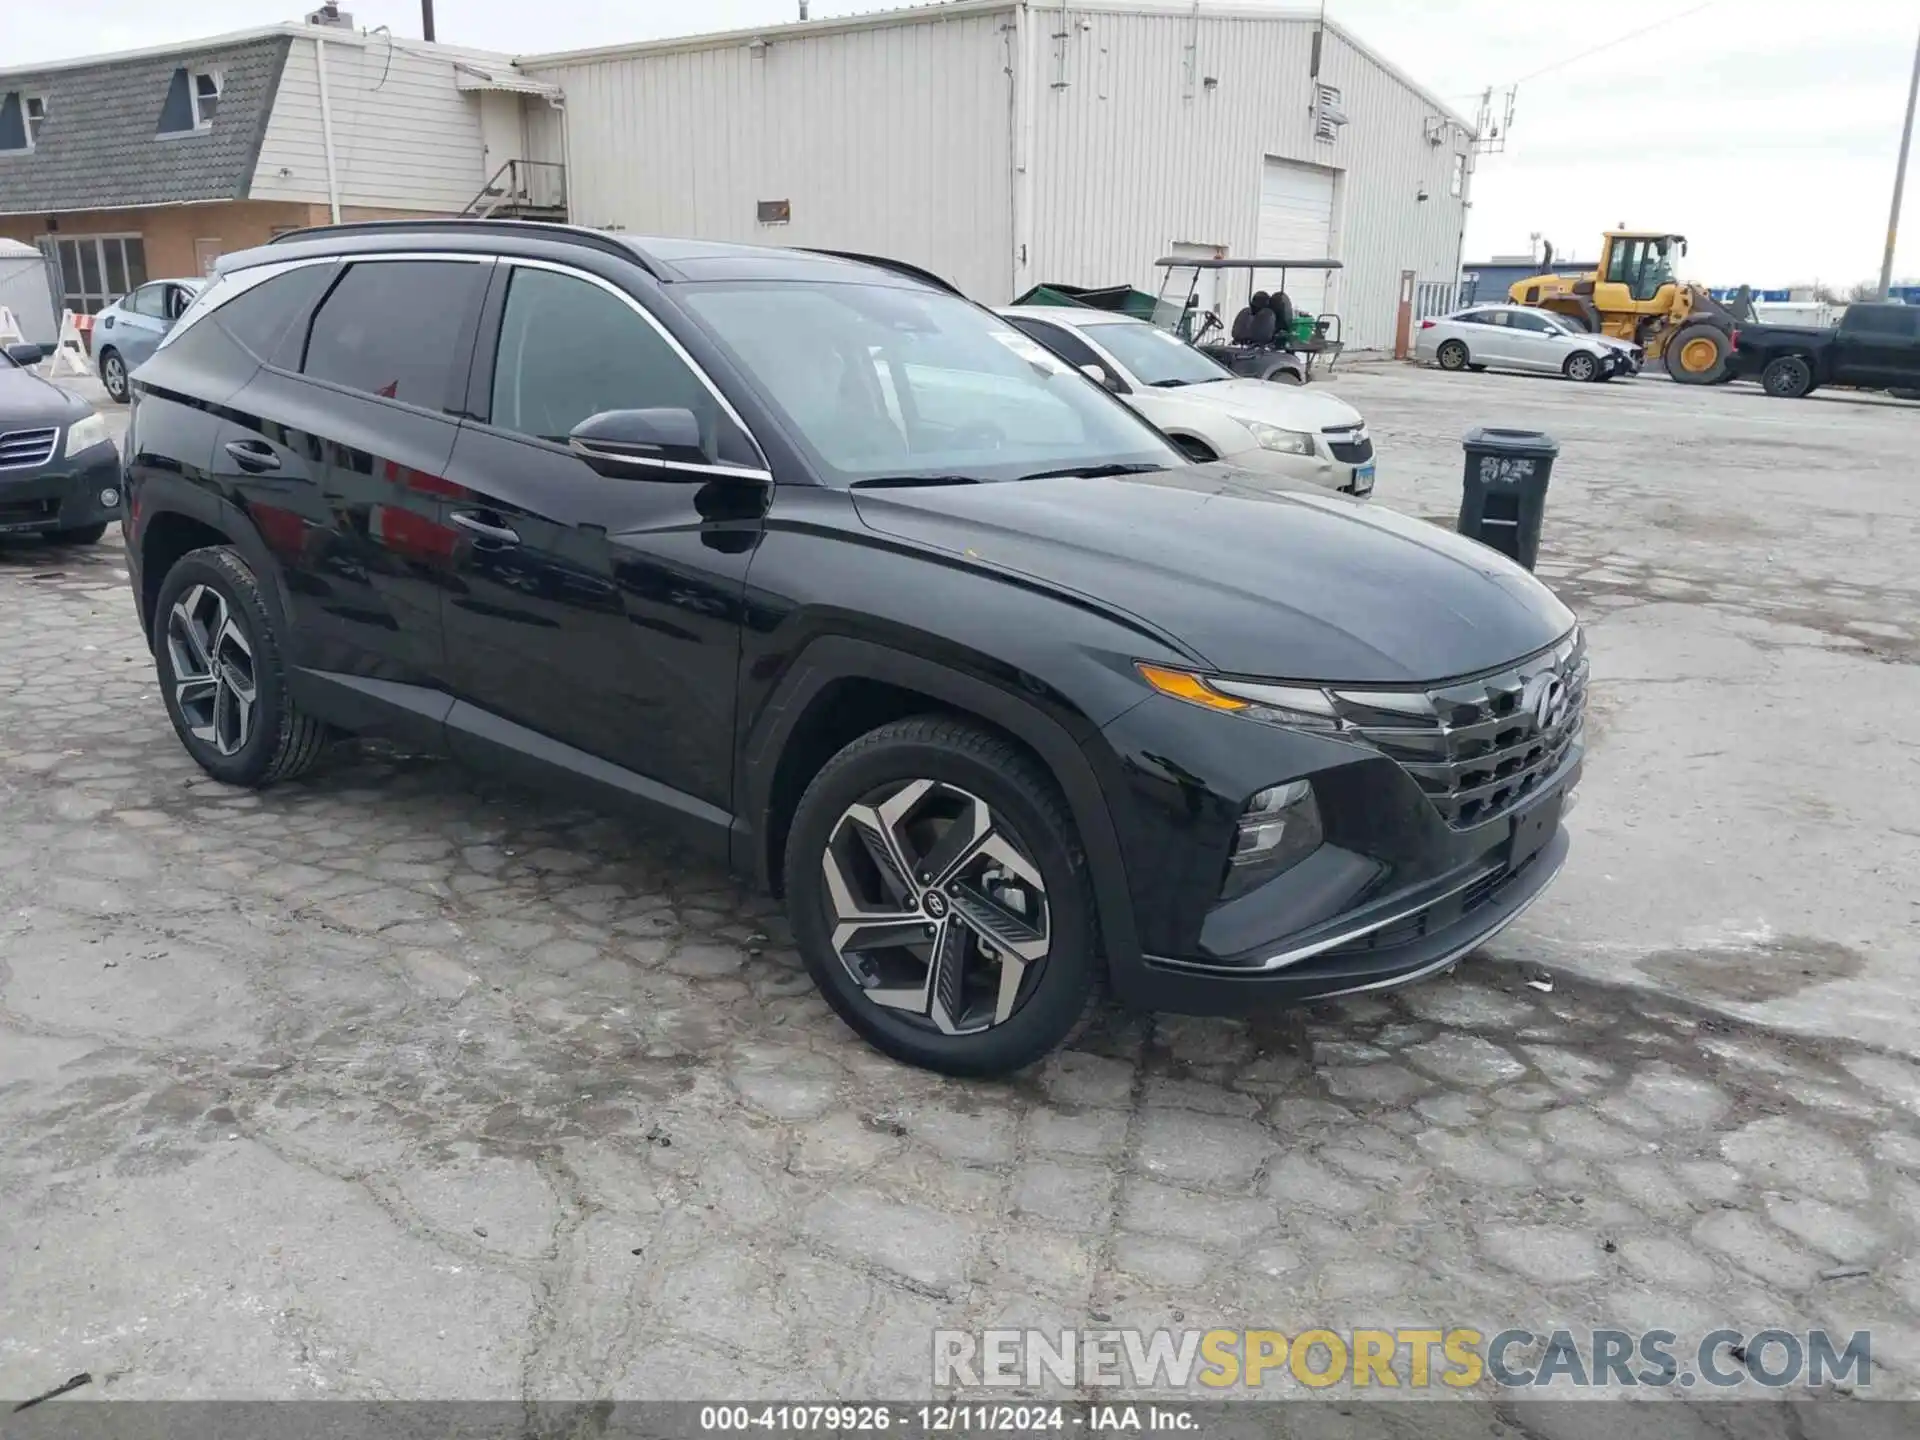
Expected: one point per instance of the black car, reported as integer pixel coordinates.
(1874, 347)
(59, 472)
(858, 588)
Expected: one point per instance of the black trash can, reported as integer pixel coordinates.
(1503, 496)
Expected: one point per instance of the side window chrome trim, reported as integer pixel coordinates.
(234, 283)
(680, 352)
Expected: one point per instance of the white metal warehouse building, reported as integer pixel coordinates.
(1003, 143)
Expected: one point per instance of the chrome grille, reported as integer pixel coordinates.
(1351, 445)
(27, 447)
(1479, 747)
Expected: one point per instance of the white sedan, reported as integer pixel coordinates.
(1210, 412)
(1519, 337)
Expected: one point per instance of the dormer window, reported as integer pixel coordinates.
(21, 116)
(206, 97)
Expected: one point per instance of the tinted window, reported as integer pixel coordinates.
(388, 328)
(1062, 342)
(1881, 319)
(569, 349)
(259, 317)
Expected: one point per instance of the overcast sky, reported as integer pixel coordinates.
(1765, 130)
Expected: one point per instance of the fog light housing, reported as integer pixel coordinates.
(1279, 828)
(109, 498)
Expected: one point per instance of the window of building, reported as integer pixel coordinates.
(568, 349)
(1458, 181)
(96, 270)
(21, 116)
(206, 97)
(389, 329)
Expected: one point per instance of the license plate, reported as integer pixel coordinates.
(1362, 481)
(1534, 826)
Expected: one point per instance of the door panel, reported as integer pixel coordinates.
(601, 611)
(353, 509)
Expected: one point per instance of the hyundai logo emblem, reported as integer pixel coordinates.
(935, 904)
(1546, 698)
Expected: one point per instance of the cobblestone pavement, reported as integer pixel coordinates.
(396, 1083)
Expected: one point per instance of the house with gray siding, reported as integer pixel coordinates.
(130, 167)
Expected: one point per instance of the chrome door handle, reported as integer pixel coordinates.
(499, 534)
(253, 455)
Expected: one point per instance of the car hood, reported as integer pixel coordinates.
(1291, 407)
(28, 401)
(1254, 576)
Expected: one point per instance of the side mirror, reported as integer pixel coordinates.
(1098, 374)
(24, 354)
(639, 442)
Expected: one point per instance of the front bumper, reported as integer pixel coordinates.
(1321, 470)
(63, 494)
(1395, 893)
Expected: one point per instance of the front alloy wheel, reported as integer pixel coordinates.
(113, 375)
(937, 912)
(213, 675)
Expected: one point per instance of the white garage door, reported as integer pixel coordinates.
(1296, 223)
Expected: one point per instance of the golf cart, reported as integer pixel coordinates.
(1270, 340)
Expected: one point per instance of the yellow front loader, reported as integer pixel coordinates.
(1635, 295)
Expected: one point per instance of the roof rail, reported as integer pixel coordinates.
(530, 229)
(898, 267)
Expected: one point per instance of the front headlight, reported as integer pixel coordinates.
(85, 433)
(1286, 442)
(1297, 707)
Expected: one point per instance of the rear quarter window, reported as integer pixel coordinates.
(389, 328)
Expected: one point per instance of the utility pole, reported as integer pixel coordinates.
(426, 19)
(1900, 176)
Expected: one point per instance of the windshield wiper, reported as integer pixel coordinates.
(1093, 472)
(902, 482)
(1168, 384)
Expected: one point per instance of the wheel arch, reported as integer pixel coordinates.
(183, 520)
(843, 686)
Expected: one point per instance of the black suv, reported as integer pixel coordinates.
(863, 591)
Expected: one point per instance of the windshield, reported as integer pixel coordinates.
(1155, 357)
(885, 383)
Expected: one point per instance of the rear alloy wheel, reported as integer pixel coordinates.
(221, 674)
(1452, 356)
(940, 900)
(113, 374)
(1788, 377)
(211, 659)
(1581, 366)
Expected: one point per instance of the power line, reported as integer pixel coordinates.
(1618, 40)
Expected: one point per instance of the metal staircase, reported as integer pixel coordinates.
(522, 190)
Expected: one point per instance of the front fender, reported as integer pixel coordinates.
(835, 657)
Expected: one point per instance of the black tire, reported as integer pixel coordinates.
(1698, 334)
(113, 374)
(1788, 377)
(280, 741)
(1027, 807)
(1583, 367)
(1452, 355)
(1197, 451)
(79, 535)
(1284, 375)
